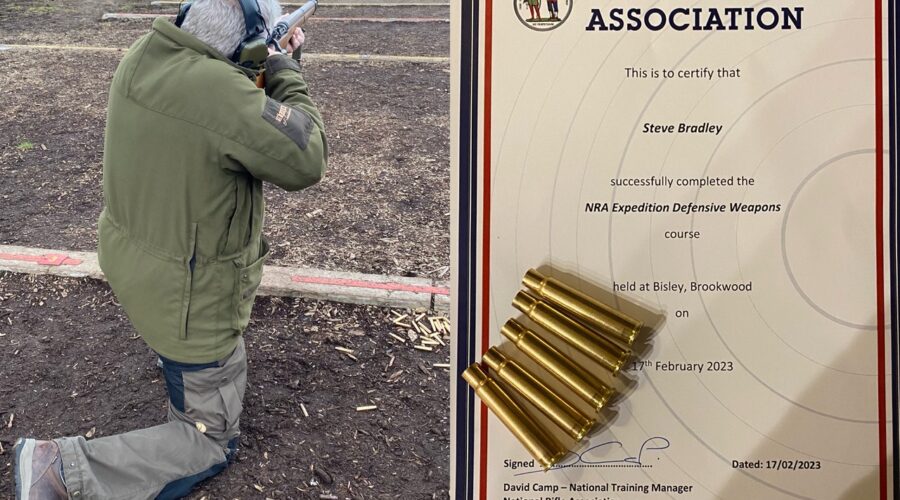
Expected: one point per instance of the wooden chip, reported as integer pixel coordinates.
(436, 323)
(366, 408)
(401, 339)
(395, 376)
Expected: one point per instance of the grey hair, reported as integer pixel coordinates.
(220, 23)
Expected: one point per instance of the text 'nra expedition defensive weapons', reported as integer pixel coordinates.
(282, 32)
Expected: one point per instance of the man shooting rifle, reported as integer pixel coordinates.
(189, 141)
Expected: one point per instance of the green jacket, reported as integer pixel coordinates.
(189, 140)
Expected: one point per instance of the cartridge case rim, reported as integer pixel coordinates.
(552, 461)
(605, 396)
(585, 429)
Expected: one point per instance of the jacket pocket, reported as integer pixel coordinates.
(246, 282)
(188, 282)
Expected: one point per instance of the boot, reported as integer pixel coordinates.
(39, 471)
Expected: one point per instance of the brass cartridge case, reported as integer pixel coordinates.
(541, 445)
(602, 350)
(586, 386)
(557, 409)
(586, 309)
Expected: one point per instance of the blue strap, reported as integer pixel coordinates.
(173, 371)
(181, 487)
(254, 24)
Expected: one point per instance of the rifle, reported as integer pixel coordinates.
(282, 32)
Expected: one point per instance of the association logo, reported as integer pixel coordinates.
(542, 15)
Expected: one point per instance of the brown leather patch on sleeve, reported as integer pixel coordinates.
(292, 122)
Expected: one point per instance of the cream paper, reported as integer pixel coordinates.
(762, 384)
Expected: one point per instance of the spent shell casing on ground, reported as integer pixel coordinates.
(539, 443)
(585, 308)
(607, 353)
(565, 369)
(557, 409)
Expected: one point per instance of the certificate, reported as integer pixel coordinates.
(724, 173)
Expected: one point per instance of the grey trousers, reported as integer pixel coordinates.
(166, 461)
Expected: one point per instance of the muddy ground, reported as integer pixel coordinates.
(71, 364)
(382, 208)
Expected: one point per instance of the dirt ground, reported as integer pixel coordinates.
(382, 208)
(71, 364)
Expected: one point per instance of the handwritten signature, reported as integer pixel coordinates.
(610, 452)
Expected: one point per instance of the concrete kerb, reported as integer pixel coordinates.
(317, 284)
